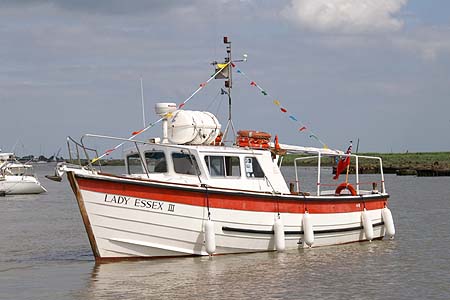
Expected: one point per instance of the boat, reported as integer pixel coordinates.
(17, 177)
(192, 193)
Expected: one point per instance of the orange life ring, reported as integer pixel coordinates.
(254, 134)
(252, 140)
(253, 144)
(344, 186)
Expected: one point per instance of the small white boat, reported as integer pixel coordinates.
(16, 177)
(188, 193)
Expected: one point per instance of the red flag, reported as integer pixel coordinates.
(302, 128)
(283, 109)
(253, 83)
(343, 163)
(137, 132)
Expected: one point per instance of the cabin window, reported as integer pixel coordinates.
(252, 168)
(185, 164)
(156, 162)
(223, 165)
(134, 164)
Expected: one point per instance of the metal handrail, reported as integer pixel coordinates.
(357, 157)
(77, 146)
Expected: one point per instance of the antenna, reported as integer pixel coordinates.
(142, 102)
(227, 74)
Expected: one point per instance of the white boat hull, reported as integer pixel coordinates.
(121, 225)
(12, 185)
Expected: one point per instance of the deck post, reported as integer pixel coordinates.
(383, 187)
(318, 174)
(357, 174)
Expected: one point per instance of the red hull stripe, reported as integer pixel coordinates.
(227, 200)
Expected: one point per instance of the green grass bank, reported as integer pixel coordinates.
(409, 160)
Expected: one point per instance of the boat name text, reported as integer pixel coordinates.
(141, 203)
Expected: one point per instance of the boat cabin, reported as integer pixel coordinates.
(216, 166)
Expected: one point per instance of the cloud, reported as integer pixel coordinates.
(346, 16)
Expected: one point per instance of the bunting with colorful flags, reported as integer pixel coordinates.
(283, 109)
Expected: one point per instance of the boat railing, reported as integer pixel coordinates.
(358, 183)
(81, 153)
(136, 144)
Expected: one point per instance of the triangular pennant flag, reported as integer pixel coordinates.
(302, 128)
(276, 102)
(203, 84)
(233, 65)
(293, 118)
(136, 132)
(180, 106)
(264, 93)
(283, 109)
(237, 70)
(253, 83)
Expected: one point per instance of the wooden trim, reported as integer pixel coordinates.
(84, 215)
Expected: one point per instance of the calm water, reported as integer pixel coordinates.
(45, 254)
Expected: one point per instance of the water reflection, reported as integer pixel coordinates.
(305, 272)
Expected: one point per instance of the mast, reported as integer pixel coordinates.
(228, 86)
(226, 73)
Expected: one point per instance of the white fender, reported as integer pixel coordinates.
(388, 222)
(308, 232)
(367, 224)
(278, 228)
(210, 237)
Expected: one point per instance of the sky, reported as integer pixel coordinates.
(373, 70)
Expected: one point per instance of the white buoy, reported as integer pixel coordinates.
(367, 224)
(210, 237)
(308, 232)
(388, 222)
(278, 228)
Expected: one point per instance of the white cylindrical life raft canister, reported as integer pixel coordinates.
(308, 232)
(210, 237)
(388, 222)
(367, 224)
(193, 127)
(278, 228)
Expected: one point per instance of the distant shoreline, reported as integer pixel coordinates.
(391, 161)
